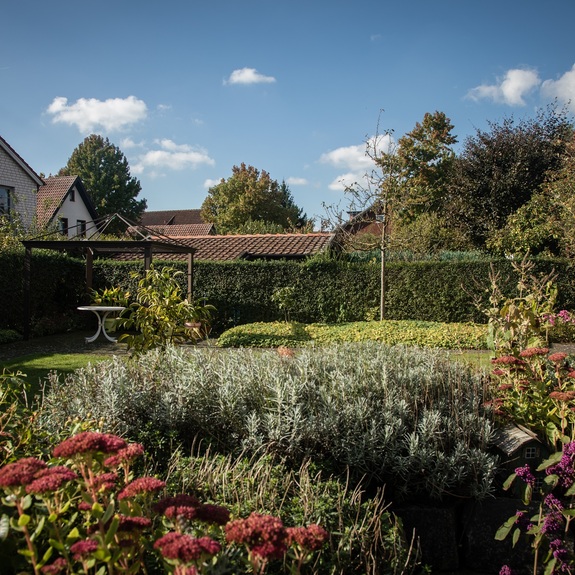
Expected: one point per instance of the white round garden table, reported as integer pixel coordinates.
(102, 312)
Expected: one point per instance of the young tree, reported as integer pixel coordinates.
(106, 174)
(250, 196)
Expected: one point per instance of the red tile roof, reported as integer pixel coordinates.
(51, 196)
(259, 246)
(171, 217)
(184, 230)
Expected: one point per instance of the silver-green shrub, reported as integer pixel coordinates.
(405, 417)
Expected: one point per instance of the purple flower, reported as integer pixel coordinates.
(526, 475)
(505, 570)
(553, 523)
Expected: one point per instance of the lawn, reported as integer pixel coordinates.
(37, 366)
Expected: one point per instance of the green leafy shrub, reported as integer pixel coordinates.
(391, 332)
(407, 418)
(9, 336)
(160, 314)
(536, 390)
(521, 321)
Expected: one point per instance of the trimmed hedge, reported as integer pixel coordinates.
(338, 291)
(328, 291)
(57, 286)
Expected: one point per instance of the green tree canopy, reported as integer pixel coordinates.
(546, 223)
(499, 170)
(425, 157)
(251, 196)
(106, 174)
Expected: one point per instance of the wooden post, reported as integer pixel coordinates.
(27, 272)
(147, 257)
(89, 270)
(190, 276)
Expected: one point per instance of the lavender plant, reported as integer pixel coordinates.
(384, 412)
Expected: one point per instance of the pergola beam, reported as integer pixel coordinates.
(89, 248)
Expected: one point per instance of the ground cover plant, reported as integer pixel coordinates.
(404, 417)
(390, 332)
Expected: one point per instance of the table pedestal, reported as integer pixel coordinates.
(102, 312)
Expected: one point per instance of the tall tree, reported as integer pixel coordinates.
(250, 196)
(498, 170)
(425, 158)
(106, 174)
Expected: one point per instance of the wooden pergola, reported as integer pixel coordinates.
(92, 248)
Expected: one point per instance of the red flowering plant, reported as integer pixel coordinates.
(76, 512)
(537, 390)
(84, 512)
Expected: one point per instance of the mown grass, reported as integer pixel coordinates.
(36, 367)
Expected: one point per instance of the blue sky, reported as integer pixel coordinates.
(189, 89)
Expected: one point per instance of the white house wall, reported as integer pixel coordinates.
(74, 211)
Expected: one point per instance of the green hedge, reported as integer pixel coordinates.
(336, 291)
(328, 291)
(57, 286)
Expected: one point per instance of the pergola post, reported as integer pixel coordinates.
(190, 276)
(89, 269)
(27, 271)
(147, 257)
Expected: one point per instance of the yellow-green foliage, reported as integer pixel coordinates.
(392, 332)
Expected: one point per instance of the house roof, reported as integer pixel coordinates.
(255, 246)
(512, 437)
(171, 217)
(20, 161)
(51, 196)
(183, 230)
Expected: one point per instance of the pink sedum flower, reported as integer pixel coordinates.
(51, 479)
(89, 442)
(264, 535)
(141, 485)
(125, 455)
(310, 538)
(185, 547)
(83, 549)
(21, 472)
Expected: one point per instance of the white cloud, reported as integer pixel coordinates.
(172, 156)
(128, 143)
(88, 114)
(357, 160)
(248, 76)
(511, 89)
(345, 181)
(563, 89)
(296, 182)
(210, 183)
